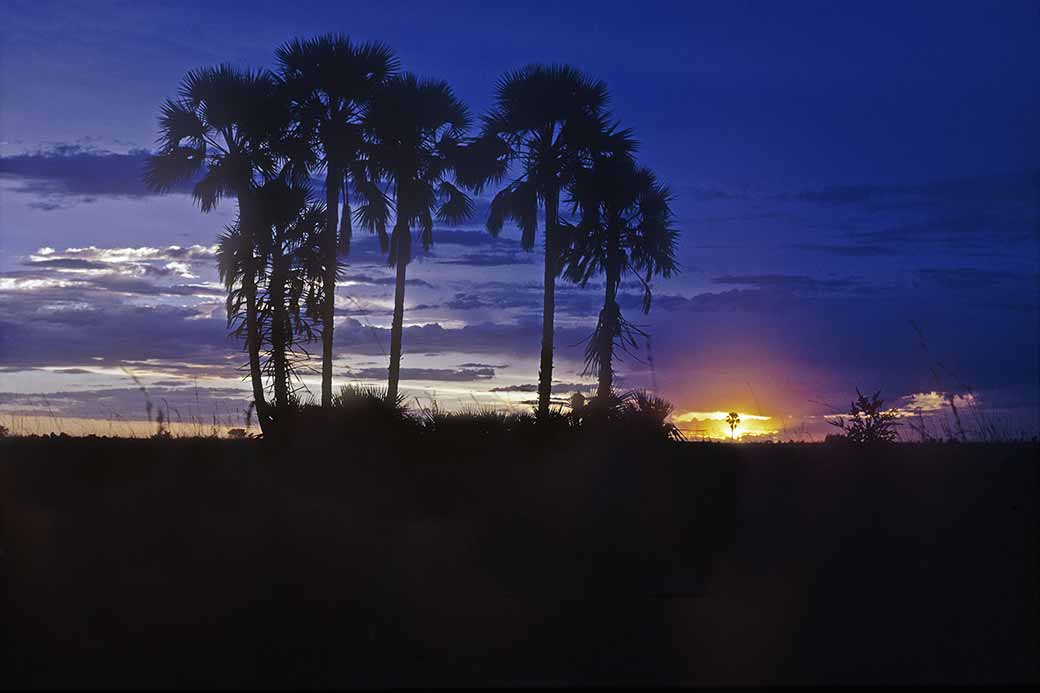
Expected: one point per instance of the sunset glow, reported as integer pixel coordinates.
(712, 425)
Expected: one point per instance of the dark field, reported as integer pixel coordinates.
(194, 563)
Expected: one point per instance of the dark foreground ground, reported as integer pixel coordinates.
(217, 563)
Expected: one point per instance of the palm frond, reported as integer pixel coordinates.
(518, 202)
(457, 206)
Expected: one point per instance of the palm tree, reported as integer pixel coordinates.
(224, 126)
(329, 81)
(291, 249)
(625, 226)
(733, 420)
(413, 148)
(544, 120)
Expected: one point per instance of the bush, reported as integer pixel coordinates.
(638, 414)
(868, 422)
(363, 413)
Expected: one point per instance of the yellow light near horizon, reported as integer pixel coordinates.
(712, 425)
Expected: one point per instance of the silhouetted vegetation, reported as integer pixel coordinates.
(397, 145)
(868, 422)
(329, 83)
(631, 418)
(624, 227)
(415, 129)
(733, 420)
(548, 120)
(228, 126)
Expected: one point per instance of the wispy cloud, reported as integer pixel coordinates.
(64, 173)
(458, 375)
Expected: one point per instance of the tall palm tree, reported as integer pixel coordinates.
(413, 147)
(544, 120)
(625, 226)
(223, 128)
(329, 81)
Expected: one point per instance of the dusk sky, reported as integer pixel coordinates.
(857, 186)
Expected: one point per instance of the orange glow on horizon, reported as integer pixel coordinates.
(712, 425)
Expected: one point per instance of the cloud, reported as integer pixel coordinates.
(66, 288)
(77, 273)
(709, 193)
(517, 339)
(72, 170)
(495, 251)
(850, 250)
(556, 388)
(472, 301)
(130, 254)
(491, 259)
(458, 375)
(383, 281)
(132, 285)
(39, 331)
(67, 263)
(1012, 187)
(479, 238)
(187, 405)
(966, 278)
(967, 229)
(932, 401)
(787, 282)
(841, 195)
(144, 260)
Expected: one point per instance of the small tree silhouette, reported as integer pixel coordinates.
(868, 423)
(733, 420)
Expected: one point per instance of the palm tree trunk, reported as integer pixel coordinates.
(609, 318)
(402, 250)
(333, 180)
(279, 335)
(252, 316)
(608, 329)
(548, 304)
(253, 345)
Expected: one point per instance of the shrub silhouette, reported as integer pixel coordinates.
(636, 414)
(868, 422)
(360, 412)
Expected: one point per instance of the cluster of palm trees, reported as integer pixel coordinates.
(396, 154)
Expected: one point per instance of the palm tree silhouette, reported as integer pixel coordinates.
(329, 82)
(292, 250)
(544, 119)
(415, 129)
(228, 125)
(733, 420)
(625, 226)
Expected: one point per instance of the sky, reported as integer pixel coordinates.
(856, 186)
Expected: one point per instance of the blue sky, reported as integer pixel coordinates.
(845, 177)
